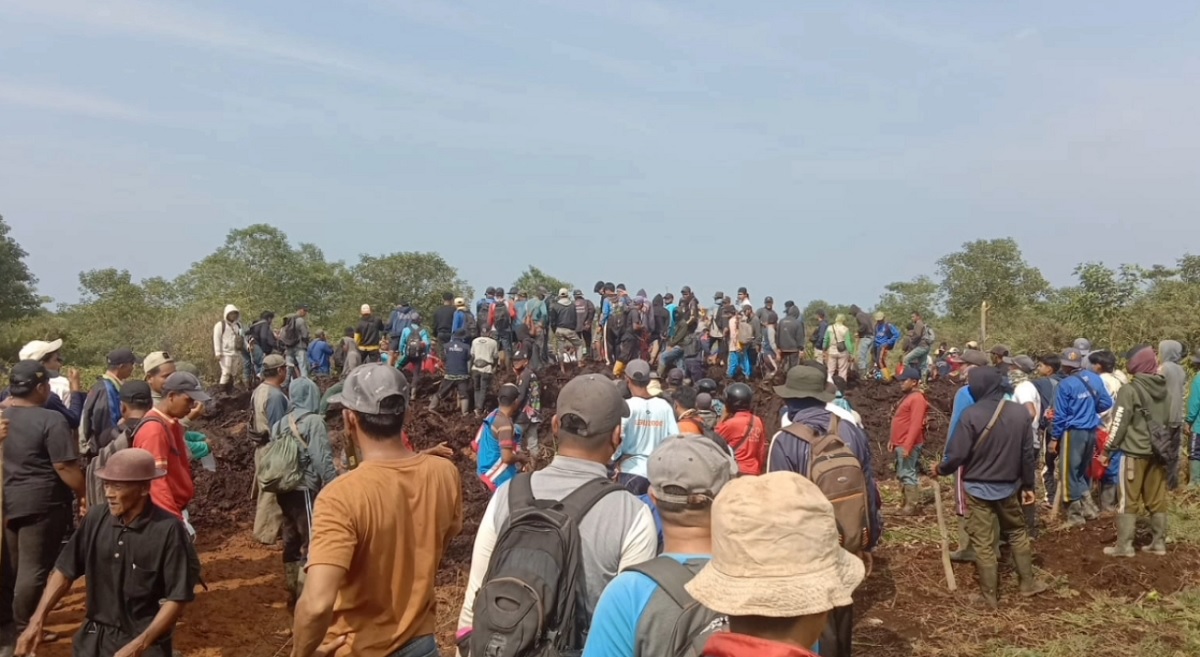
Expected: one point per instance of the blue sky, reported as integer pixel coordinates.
(805, 150)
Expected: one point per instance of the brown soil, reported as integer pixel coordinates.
(904, 603)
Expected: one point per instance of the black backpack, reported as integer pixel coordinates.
(691, 623)
(289, 336)
(533, 602)
(1164, 443)
(502, 321)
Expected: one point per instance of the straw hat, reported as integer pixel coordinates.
(776, 551)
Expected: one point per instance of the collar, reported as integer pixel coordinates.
(166, 418)
(139, 523)
(109, 376)
(572, 465)
(728, 644)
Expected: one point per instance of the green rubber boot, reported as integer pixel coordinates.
(989, 586)
(965, 553)
(1158, 532)
(1126, 528)
(1194, 482)
(1030, 585)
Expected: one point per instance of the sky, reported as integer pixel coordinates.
(803, 150)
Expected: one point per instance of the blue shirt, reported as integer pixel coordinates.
(1075, 409)
(990, 490)
(319, 353)
(490, 468)
(614, 625)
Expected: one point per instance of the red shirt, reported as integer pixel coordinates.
(728, 644)
(746, 434)
(173, 492)
(908, 425)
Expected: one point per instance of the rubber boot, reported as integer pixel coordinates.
(1108, 499)
(1195, 474)
(908, 508)
(1126, 528)
(464, 407)
(291, 579)
(965, 553)
(989, 586)
(1090, 512)
(1030, 584)
(433, 402)
(1075, 514)
(1158, 533)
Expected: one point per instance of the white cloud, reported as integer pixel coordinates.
(57, 99)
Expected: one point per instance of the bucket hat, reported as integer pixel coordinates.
(804, 382)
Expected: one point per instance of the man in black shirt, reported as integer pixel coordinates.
(140, 568)
(42, 476)
(443, 323)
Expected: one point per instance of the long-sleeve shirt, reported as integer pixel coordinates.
(1080, 400)
(908, 425)
(887, 335)
(1193, 408)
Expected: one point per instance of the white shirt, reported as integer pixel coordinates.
(650, 422)
(1026, 393)
(1112, 384)
(60, 386)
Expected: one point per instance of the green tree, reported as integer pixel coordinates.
(1102, 297)
(532, 278)
(418, 278)
(113, 311)
(992, 271)
(903, 298)
(18, 297)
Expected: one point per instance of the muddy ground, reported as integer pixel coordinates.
(902, 607)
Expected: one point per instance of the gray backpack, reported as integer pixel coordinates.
(671, 606)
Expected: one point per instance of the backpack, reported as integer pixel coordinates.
(745, 331)
(289, 336)
(672, 606)
(284, 460)
(533, 600)
(471, 326)
(502, 321)
(929, 335)
(415, 348)
(834, 468)
(121, 440)
(1164, 443)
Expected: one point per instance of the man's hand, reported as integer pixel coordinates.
(1028, 498)
(30, 639)
(197, 411)
(934, 474)
(75, 379)
(1053, 446)
(134, 648)
(439, 449)
(330, 647)
(1105, 459)
(83, 507)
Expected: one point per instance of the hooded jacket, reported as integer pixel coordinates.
(1078, 403)
(264, 337)
(369, 333)
(305, 400)
(1130, 428)
(563, 314)
(1170, 352)
(225, 334)
(662, 318)
(1007, 454)
(864, 324)
(1193, 412)
(790, 335)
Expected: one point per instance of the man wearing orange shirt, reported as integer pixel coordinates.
(908, 434)
(743, 430)
(162, 435)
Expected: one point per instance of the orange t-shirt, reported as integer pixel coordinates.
(388, 524)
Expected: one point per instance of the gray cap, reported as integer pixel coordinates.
(1084, 345)
(1072, 358)
(188, 384)
(704, 402)
(594, 404)
(691, 463)
(638, 371)
(369, 385)
(1022, 362)
(675, 376)
(974, 357)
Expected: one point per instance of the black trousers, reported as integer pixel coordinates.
(31, 546)
(296, 507)
(835, 640)
(463, 385)
(480, 381)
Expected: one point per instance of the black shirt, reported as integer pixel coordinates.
(129, 569)
(443, 322)
(37, 439)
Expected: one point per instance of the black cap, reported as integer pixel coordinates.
(447, 296)
(490, 291)
(512, 291)
(620, 286)
(687, 289)
(27, 374)
(119, 357)
(769, 300)
(742, 290)
(303, 306)
(136, 392)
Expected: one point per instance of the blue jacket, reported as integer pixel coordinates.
(1078, 408)
(460, 321)
(1193, 407)
(791, 454)
(458, 358)
(408, 334)
(886, 335)
(319, 353)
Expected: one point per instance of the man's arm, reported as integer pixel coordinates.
(1120, 422)
(641, 541)
(164, 621)
(72, 475)
(1062, 399)
(916, 424)
(481, 556)
(314, 610)
(56, 588)
(957, 449)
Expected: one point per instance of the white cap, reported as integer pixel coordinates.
(365, 310)
(39, 349)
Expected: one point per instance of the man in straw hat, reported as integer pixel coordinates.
(776, 570)
(139, 563)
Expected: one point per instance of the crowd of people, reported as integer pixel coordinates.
(668, 519)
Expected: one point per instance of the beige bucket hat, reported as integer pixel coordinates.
(776, 551)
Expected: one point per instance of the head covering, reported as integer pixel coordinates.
(839, 319)
(971, 344)
(132, 464)
(39, 349)
(776, 551)
(304, 395)
(638, 371)
(155, 360)
(1072, 358)
(460, 302)
(365, 309)
(1000, 350)
(1084, 345)
(985, 383)
(909, 374)
(1171, 351)
(188, 384)
(1022, 362)
(675, 376)
(369, 385)
(273, 362)
(119, 357)
(804, 381)
(136, 392)
(879, 315)
(1142, 360)
(27, 375)
(594, 404)
(974, 357)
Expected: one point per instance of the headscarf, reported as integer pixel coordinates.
(840, 320)
(1017, 376)
(1142, 360)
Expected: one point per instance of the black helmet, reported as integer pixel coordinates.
(738, 397)
(490, 291)
(706, 385)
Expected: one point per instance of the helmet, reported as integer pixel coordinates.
(706, 385)
(738, 397)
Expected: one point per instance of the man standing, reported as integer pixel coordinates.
(401, 319)
(1143, 476)
(863, 338)
(140, 566)
(920, 339)
(102, 410)
(585, 317)
(994, 447)
(741, 335)
(443, 324)
(268, 405)
(41, 476)
(1193, 421)
(908, 435)
(791, 337)
(368, 335)
(650, 421)
(228, 343)
(529, 401)
(458, 374)
(378, 532)
(536, 321)
(485, 355)
(818, 338)
(563, 320)
(1080, 400)
(497, 457)
(1170, 352)
(68, 397)
(887, 336)
(297, 353)
(743, 430)
(768, 320)
(320, 353)
(162, 436)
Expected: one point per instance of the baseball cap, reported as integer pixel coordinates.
(39, 349)
(971, 344)
(675, 376)
(28, 374)
(638, 371)
(718, 296)
(365, 309)
(513, 291)
(459, 302)
(704, 402)
(155, 360)
(974, 357)
(1084, 345)
(118, 357)
(578, 294)
(1072, 357)
(879, 315)
(1022, 362)
(520, 355)
(742, 290)
(188, 384)
(909, 374)
(769, 300)
(368, 386)
(590, 406)
(689, 470)
(999, 350)
(273, 362)
(136, 392)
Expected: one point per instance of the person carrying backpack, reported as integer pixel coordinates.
(1078, 403)
(295, 337)
(137, 399)
(502, 319)
(792, 449)
(414, 347)
(646, 611)
(595, 530)
(743, 430)
(314, 465)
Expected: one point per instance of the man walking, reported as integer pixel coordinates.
(863, 338)
(650, 421)
(485, 357)
(299, 334)
(368, 335)
(920, 339)
(102, 409)
(791, 337)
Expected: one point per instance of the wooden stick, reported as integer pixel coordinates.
(941, 517)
